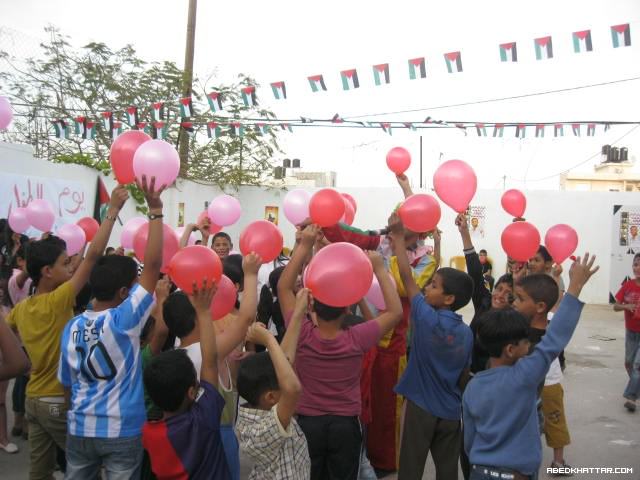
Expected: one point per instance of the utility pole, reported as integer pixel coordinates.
(420, 161)
(504, 182)
(187, 80)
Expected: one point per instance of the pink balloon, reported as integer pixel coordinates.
(326, 207)
(192, 236)
(225, 298)
(349, 213)
(561, 240)
(520, 241)
(170, 243)
(339, 275)
(374, 295)
(6, 114)
(157, 158)
(398, 160)
(296, 205)
(121, 154)
(74, 237)
(194, 264)
(19, 220)
(514, 202)
(352, 201)
(263, 238)
(129, 231)
(40, 215)
(420, 213)
(224, 210)
(455, 183)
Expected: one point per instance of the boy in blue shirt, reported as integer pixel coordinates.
(501, 431)
(441, 346)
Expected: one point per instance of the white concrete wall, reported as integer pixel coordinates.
(588, 212)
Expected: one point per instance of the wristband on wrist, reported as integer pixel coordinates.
(110, 217)
(153, 216)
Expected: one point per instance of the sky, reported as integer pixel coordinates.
(290, 40)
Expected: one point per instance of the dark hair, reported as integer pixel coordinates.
(21, 252)
(82, 299)
(255, 377)
(43, 253)
(232, 268)
(6, 298)
(351, 320)
(456, 283)
(506, 278)
(168, 378)
(541, 288)
(326, 312)
(269, 305)
(109, 250)
(222, 235)
(482, 251)
(636, 256)
(179, 314)
(148, 328)
(544, 253)
(110, 274)
(500, 328)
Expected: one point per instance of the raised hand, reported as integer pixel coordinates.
(376, 260)
(580, 272)
(151, 195)
(251, 263)
(461, 223)
(302, 300)
(310, 235)
(163, 287)
(258, 334)
(119, 196)
(395, 224)
(202, 297)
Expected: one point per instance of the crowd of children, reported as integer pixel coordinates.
(131, 378)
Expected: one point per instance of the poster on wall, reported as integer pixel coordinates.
(70, 200)
(271, 214)
(181, 214)
(476, 216)
(624, 245)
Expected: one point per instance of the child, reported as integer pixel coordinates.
(501, 431)
(100, 365)
(441, 346)
(186, 442)
(266, 428)
(222, 244)
(40, 320)
(180, 318)
(628, 300)
(535, 295)
(328, 365)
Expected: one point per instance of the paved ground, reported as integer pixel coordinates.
(603, 433)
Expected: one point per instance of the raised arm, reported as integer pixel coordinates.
(201, 301)
(119, 195)
(290, 340)
(474, 267)
(403, 181)
(390, 317)
(288, 382)
(188, 230)
(437, 241)
(160, 330)
(14, 361)
(400, 251)
(153, 250)
(287, 282)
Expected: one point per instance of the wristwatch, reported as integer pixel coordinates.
(153, 216)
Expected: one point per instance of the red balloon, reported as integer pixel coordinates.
(170, 243)
(326, 207)
(455, 183)
(122, 150)
(225, 298)
(561, 240)
(420, 213)
(90, 227)
(520, 241)
(339, 275)
(398, 160)
(514, 202)
(349, 213)
(352, 201)
(194, 264)
(263, 238)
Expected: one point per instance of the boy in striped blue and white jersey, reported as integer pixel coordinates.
(101, 365)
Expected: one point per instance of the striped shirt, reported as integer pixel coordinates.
(100, 361)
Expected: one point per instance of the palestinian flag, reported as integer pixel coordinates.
(157, 111)
(132, 116)
(107, 121)
(349, 79)
(591, 129)
(306, 120)
(317, 83)
(89, 130)
(186, 107)
(558, 130)
(279, 90)
(417, 68)
(508, 52)
(101, 203)
(411, 126)
(381, 74)
(521, 130)
(61, 128)
(262, 128)
(498, 130)
(576, 129)
(540, 130)
(286, 126)
(433, 120)
(386, 127)
(237, 129)
(249, 96)
(188, 127)
(117, 130)
(213, 130)
(336, 119)
(454, 62)
(582, 41)
(144, 126)
(159, 130)
(79, 123)
(215, 101)
(544, 48)
(621, 35)
(481, 130)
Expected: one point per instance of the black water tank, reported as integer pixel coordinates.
(278, 173)
(296, 163)
(615, 155)
(286, 163)
(624, 154)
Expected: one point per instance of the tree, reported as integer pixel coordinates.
(66, 83)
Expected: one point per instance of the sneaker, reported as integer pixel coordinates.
(630, 405)
(561, 465)
(9, 447)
